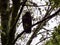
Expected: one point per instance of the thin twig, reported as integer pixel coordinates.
(49, 17)
(42, 40)
(17, 21)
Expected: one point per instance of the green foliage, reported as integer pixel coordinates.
(1, 28)
(55, 3)
(49, 42)
(55, 39)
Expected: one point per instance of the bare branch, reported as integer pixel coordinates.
(42, 40)
(47, 29)
(49, 17)
(34, 4)
(42, 32)
(40, 25)
(18, 15)
(19, 35)
(13, 42)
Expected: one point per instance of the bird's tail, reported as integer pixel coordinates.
(28, 31)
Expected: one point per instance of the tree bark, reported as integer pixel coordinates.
(4, 21)
(15, 9)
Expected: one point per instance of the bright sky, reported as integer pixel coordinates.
(52, 23)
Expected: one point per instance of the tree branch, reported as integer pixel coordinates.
(40, 27)
(34, 4)
(18, 15)
(19, 35)
(49, 17)
(47, 29)
(12, 27)
(42, 40)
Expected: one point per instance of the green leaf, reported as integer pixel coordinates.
(1, 28)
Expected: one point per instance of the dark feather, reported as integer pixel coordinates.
(27, 22)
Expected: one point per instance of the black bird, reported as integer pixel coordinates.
(27, 22)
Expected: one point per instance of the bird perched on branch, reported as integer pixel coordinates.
(27, 22)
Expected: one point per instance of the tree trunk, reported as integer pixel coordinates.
(4, 21)
(15, 9)
(7, 36)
